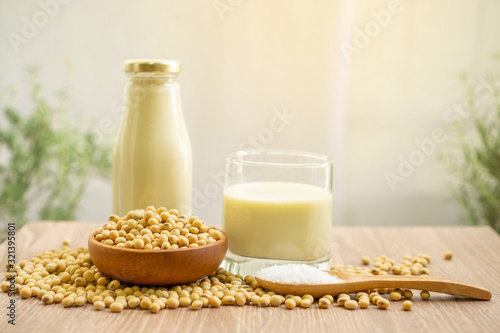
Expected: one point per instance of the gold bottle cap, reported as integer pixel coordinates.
(151, 66)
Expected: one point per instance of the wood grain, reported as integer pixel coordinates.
(476, 260)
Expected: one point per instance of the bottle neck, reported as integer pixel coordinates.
(153, 98)
(152, 79)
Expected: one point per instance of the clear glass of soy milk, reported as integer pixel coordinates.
(277, 209)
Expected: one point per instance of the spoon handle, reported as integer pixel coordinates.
(429, 283)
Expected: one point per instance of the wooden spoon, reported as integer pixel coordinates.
(359, 282)
(157, 267)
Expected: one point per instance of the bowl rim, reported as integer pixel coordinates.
(220, 241)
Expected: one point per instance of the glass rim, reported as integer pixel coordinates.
(238, 157)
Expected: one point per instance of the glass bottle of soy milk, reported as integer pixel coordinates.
(152, 159)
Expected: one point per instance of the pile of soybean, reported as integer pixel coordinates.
(68, 276)
(156, 229)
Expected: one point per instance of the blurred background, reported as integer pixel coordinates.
(376, 85)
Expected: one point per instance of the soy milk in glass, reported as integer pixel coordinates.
(277, 209)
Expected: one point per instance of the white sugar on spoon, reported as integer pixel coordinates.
(303, 279)
(296, 274)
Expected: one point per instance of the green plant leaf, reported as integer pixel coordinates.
(474, 161)
(44, 166)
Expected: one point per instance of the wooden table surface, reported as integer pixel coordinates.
(476, 259)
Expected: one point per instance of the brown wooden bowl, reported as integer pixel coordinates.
(157, 267)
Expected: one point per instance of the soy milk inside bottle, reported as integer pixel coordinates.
(152, 159)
